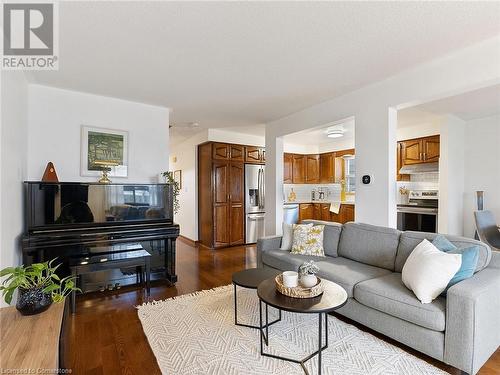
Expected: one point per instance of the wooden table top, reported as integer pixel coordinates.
(30, 342)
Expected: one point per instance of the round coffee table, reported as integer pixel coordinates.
(332, 298)
(250, 279)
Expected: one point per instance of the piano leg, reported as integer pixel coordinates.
(170, 261)
(148, 276)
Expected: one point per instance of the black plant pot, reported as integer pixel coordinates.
(33, 301)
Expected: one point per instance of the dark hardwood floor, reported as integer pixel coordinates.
(105, 336)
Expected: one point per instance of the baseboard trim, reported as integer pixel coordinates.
(188, 241)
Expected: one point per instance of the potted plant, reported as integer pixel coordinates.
(38, 286)
(307, 273)
(169, 179)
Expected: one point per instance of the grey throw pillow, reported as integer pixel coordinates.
(287, 239)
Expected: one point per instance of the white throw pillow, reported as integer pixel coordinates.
(428, 271)
(286, 240)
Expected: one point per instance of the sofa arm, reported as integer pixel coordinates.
(265, 244)
(473, 320)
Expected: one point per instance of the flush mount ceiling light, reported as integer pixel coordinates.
(335, 133)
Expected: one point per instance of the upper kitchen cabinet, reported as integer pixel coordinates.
(327, 168)
(430, 148)
(237, 152)
(312, 169)
(220, 151)
(255, 154)
(287, 168)
(420, 150)
(298, 169)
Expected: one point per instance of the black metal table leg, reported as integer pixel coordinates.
(249, 325)
(320, 334)
(301, 362)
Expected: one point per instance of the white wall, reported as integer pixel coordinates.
(482, 168)
(221, 135)
(13, 161)
(471, 68)
(186, 156)
(419, 130)
(451, 176)
(55, 120)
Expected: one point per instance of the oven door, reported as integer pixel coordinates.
(418, 219)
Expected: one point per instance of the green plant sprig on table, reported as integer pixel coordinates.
(37, 275)
(169, 176)
(308, 268)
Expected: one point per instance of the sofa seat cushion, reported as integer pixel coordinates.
(347, 273)
(389, 295)
(285, 261)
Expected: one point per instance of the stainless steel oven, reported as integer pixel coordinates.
(421, 212)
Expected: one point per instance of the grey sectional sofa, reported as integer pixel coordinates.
(462, 329)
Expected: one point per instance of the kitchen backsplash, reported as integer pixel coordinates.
(303, 191)
(423, 181)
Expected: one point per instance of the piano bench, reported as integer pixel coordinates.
(108, 261)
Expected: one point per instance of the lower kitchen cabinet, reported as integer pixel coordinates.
(321, 211)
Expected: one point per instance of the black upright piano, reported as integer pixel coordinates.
(76, 219)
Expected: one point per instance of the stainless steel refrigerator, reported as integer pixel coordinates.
(254, 202)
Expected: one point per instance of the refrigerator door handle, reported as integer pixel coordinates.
(259, 192)
(262, 186)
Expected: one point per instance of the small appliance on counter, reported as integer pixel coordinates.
(421, 211)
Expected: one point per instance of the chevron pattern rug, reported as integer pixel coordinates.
(195, 334)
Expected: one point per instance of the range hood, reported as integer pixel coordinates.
(420, 168)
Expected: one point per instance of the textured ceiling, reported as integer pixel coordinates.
(228, 64)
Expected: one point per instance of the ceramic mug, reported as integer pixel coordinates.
(290, 279)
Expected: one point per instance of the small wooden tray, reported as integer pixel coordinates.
(298, 291)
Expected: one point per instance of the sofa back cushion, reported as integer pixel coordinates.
(331, 235)
(409, 240)
(369, 244)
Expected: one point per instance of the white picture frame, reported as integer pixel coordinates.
(120, 136)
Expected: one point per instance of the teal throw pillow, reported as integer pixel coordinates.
(443, 244)
(470, 257)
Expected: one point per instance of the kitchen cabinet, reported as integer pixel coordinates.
(327, 168)
(312, 169)
(287, 168)
(317, 211)
(346, 213)
(321, 211)
(306, 211)
(420, 150)
(254, 154)
(430, 148)
(221, 203)
(399, 164)
(325, 212)
(299, 169)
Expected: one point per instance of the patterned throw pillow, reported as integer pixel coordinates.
(308, 239)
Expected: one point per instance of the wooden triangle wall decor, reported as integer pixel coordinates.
(50, 174)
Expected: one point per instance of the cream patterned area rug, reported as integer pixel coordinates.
(196, 334)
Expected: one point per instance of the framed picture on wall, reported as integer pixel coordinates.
(100, 146)
(178, 177)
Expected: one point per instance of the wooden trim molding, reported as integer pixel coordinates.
(188, 241)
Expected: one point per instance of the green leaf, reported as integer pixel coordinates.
(50, 288)
(8, 296)
(7, 271)
(55, 277)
